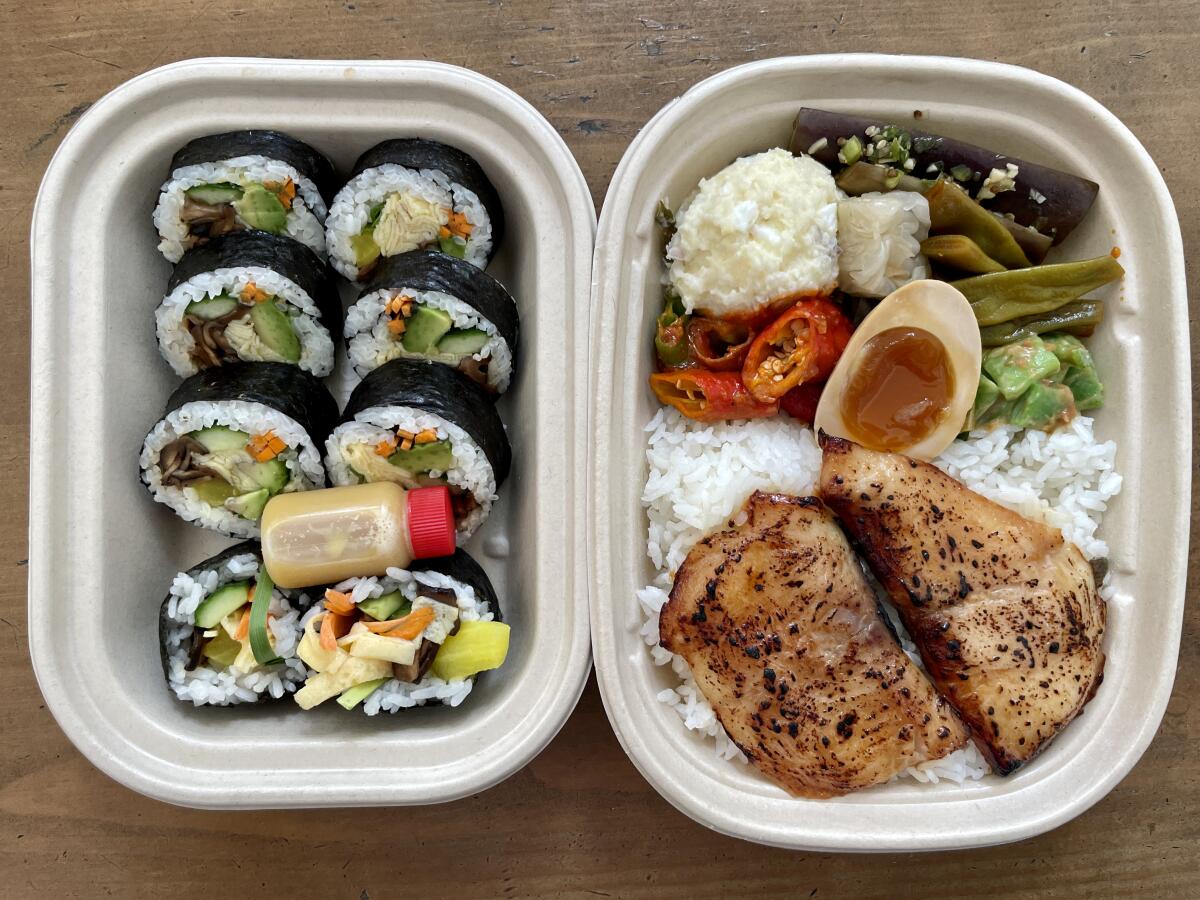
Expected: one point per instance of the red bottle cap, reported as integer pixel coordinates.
(431, 528)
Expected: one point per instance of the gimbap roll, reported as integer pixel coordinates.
(243, 179)
(233, 437)
(249, 296)
(430, 305)
(410, 638)
(418, 424)
(411, 194)
(223, 639)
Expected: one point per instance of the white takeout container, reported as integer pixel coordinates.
(1142, 350)
(102, 554)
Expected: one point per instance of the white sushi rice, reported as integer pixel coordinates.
(304, 220)
(176, 343)
(371, 344)
(305, 471)
(207, 686)
(352, 207)
(472, 471)
(700, 474)
(395, 695)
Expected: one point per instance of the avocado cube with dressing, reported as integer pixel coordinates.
(1017, 366)
(1086, 387)
(1044, 405)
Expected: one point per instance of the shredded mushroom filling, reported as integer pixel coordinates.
(176, 463)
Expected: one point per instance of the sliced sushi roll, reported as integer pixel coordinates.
(223, 640)
(418, 424)
(429, 305)
(233, 437)
(243, 179)
(410, 638)
(411, 194)
(249, 296)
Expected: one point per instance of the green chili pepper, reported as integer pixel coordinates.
(1003, 296)
(260, 643)
(865, 177)
(952, 211)
(670, 333)
(1080, 317)
(960, 252)
(670, 340)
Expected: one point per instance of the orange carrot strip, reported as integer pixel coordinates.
(333, 627)
(252, 293)
(264, 447)
(421, 616)
(407, 627)
(287, 193)
(396, 326)
(338, 603)
(243, 629)
(386, 447)
(458, 225)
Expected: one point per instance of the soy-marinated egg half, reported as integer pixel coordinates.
(908, 377)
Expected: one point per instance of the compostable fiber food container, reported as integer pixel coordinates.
(1143, 351)
(102, 554)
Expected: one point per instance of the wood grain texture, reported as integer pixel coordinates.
(579, 820)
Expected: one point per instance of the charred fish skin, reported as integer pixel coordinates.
(785, 639)
(1004, 611)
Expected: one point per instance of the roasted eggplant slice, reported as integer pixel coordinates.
(1051, 201)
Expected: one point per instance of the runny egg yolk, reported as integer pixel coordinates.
(900, 390)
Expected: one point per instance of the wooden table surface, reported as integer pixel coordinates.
(579, 819)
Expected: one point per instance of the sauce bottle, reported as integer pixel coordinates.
(325, 536)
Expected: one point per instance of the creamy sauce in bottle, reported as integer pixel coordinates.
(325, 536)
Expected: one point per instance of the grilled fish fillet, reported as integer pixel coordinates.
(786, 640)
(1005, 611)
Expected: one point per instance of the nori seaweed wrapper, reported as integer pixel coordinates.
(462, 567)
(165, 623)
(440, 390)
(430, 270)
(459, 167)
(271, 144)
(262, 249)
(281, 386)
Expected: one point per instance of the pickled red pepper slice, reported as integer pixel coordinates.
(802, 345)
(717, 344)
(709, 396)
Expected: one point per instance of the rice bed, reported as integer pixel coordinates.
(699, 474)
